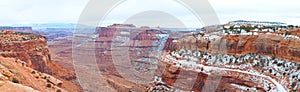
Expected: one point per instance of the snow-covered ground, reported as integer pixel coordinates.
(195, 60)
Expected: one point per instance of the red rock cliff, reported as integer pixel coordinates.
(34, 51)
(269, 45)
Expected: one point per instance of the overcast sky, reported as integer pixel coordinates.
(68, 11)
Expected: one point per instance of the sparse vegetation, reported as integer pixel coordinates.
(33, 72)
(273, 57)
(236, 62)
(287, 33)
(16, 60)
(257, 64)
(15, 80)
(48, 85)
(58, 90)
(291, 26)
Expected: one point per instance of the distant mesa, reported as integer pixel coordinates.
(145, 28)
(122, 26)
(52, 25)
(17, 29)
(264, 23)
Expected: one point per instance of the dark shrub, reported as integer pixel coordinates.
(15, 80)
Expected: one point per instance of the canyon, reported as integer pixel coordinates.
(141, 52)
(153, 59)
(34, 53)
(237, 45)
(269, 45)
(141, 45)
(263, 46)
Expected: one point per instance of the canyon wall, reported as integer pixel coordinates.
(170, 44)
(34, 52)
(140, 45)
(139, 42)
(15, 76)
(270, 45)
(189, 80)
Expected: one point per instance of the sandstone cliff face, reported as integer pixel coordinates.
(103, 49)
(17, 77)
(140, 44)
(7, 86)
(275, 46)
(170, 44)
(189, 80)
(34, 52)
(269, 45)
(295, 32)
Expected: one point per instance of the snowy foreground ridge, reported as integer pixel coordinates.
(207, 63)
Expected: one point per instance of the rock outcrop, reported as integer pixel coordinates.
(141, 44)
(7, 86)
(191, 80)
(170, 44)
(15, 76)
(32, 49)
(269, 45)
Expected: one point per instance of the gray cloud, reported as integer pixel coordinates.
(68, 11)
